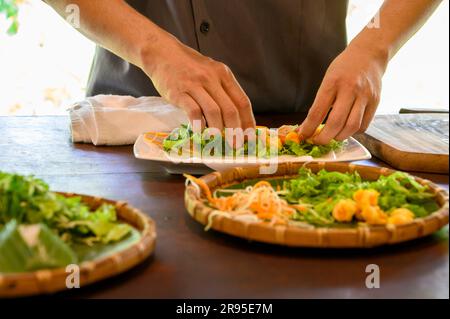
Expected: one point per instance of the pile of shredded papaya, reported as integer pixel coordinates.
(261, 200)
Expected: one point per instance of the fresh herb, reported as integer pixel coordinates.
(208, 144)
(320, 192)
(32, 247)
(10, 8)
(28, 200)
(305, 148)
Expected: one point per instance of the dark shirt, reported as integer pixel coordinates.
(278, 50)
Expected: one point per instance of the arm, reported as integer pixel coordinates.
(204, 88)
(352, 84)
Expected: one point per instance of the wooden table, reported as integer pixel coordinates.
(191, 263)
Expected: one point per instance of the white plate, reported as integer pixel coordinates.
(351, 151)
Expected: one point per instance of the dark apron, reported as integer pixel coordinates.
(278, 50)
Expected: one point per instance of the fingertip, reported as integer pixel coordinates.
(305, 130)
(249, 126)
(321, 139)
(247, 121)
(203, 122)
(318, 141)
(341, 138)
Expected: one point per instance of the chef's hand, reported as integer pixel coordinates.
(351, 89)
(206, 89)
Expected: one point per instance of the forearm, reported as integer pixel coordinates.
(350, 91)
(205, 89)
(116, 26)
(398, 21)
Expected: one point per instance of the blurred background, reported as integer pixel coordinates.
(44, 66)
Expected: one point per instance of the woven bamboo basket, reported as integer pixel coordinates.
(361, 236)
(53, 280)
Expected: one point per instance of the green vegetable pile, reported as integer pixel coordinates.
(208, 144)
(11, 10)
(32, 247)
(308, 149)
(42, 229)
(29, 201)
(320, 192)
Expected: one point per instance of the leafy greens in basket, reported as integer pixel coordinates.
(285, 141)
(324, 199)
(39, 228)
(32, 247)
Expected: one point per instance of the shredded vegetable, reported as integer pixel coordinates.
(260, 199)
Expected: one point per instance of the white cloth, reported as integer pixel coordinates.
(119, 120)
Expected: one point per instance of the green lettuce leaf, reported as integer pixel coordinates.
(321, 191)
(28, 201)
(32, 247)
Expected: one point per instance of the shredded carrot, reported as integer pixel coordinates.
(262, 183)
(154, 135)
(162, 134)
(202, 185)
(300, 208)
(265, 215)
(153, 139)
(260, 200)
(155, 142)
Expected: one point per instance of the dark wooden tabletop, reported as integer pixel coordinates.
(191, 263)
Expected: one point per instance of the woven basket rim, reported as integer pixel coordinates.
(39, 281)
(200, 212)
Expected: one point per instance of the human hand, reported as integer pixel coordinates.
(351, 88)
(205, 89)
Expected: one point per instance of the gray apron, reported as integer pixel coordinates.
(278, 50)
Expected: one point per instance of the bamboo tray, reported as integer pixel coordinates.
(53, 280)
(351, 237)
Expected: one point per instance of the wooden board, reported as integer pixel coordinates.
(410, 142)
